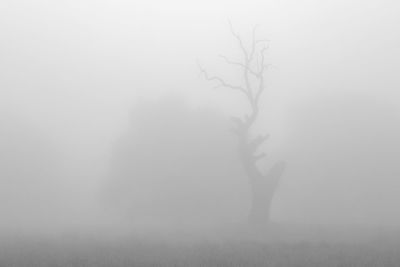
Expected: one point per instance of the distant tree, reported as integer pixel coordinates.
(253, 66)
(177, 163)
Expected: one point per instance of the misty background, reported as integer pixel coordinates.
(72, 75)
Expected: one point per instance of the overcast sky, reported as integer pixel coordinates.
(74, 69)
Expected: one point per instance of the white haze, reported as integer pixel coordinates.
(71, 72)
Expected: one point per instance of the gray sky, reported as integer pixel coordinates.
(73, 69)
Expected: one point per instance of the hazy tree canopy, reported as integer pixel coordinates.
(179, 163)
(29, 169)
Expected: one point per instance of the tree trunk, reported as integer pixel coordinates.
(263, 188)
(260, 203)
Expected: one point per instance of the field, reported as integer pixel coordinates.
(81, 251)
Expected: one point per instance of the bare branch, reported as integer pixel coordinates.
(261, 86)
(227, 60)
(231, 62)
(246, 55)
(238, 121)
(260, 156)
(253, 44)
(222, 82)
(262, 55)
(252, 88)
(258, 141)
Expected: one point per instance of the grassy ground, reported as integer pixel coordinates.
(81, 251)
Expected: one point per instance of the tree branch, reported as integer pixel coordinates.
(231, 62)
(261, 86)
(256, 142)
(253, 44)
(258, 157)
(240, 42)
(222, 82)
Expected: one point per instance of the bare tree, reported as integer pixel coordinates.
(253, 67)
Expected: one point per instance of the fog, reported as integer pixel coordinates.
(80, 81)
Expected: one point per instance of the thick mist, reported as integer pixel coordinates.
(85, 131)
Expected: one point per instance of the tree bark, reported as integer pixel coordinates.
(263, 188)
(262, 185)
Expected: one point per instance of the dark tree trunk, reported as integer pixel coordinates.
(262, 185)
(263, 188)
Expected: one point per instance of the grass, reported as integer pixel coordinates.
(80, 251)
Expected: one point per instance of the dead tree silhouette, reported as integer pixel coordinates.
(263, 185)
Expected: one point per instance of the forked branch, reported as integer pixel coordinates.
(221, 82)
